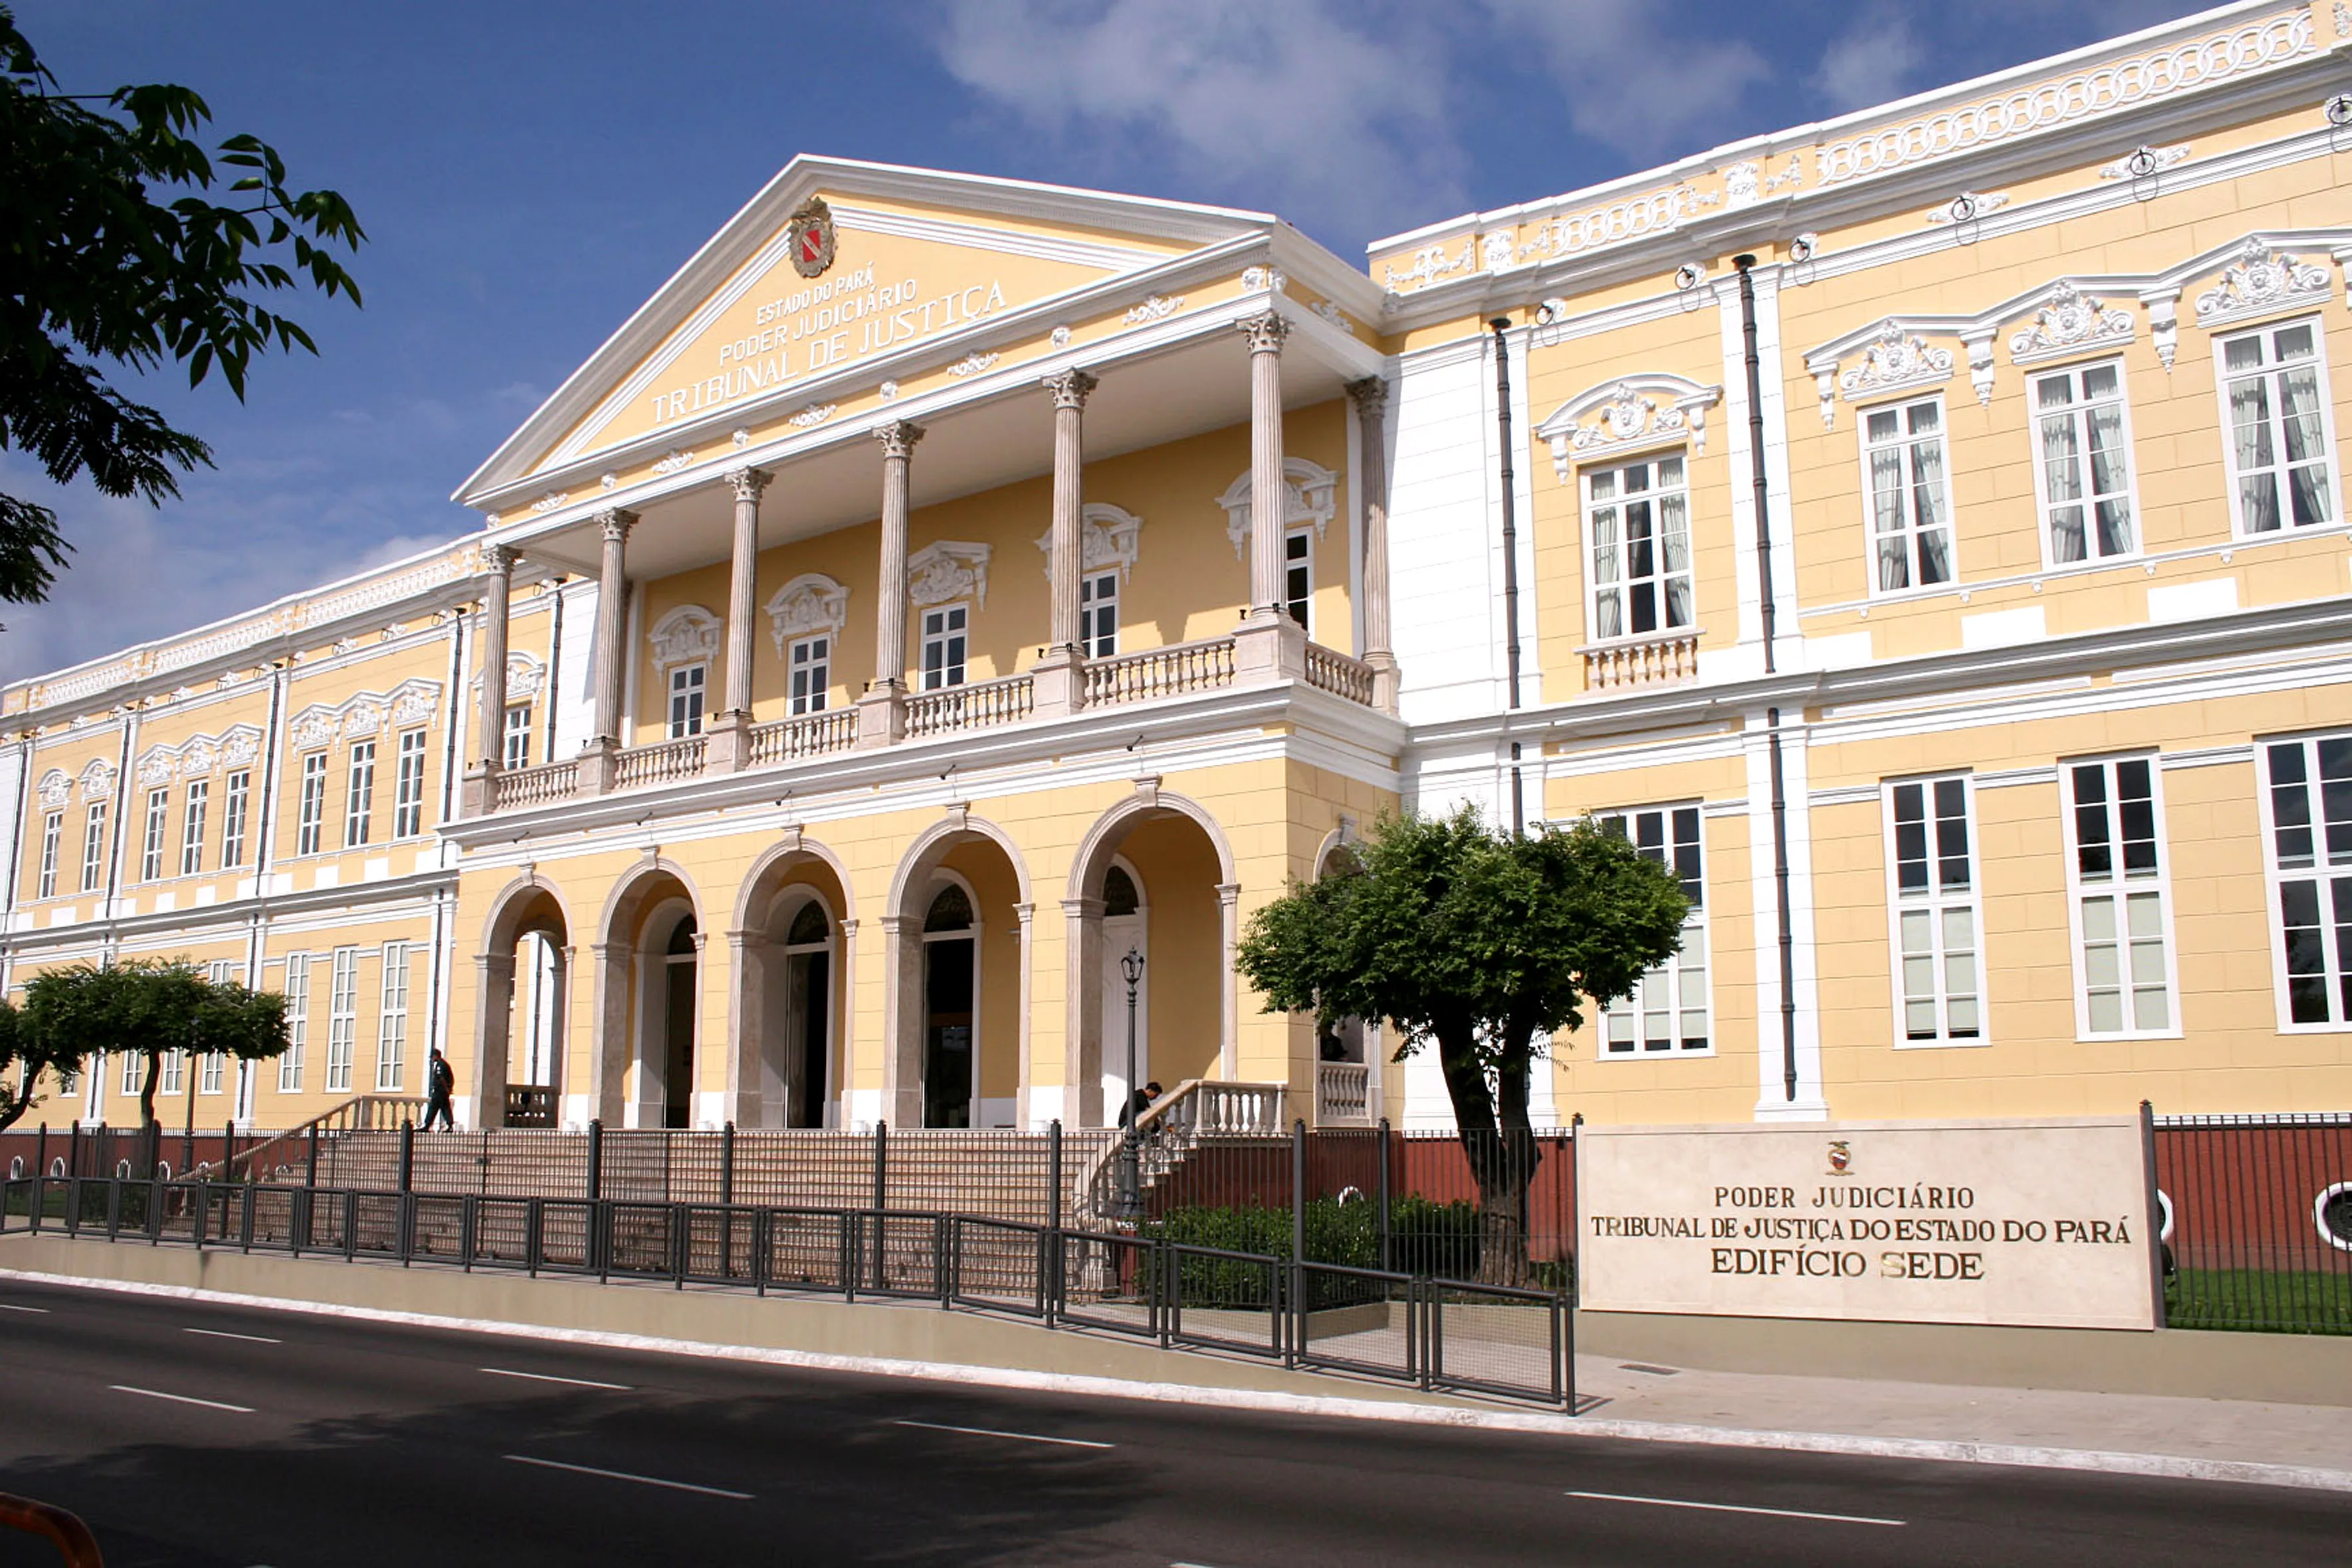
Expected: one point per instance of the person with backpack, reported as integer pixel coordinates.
(440, 1081)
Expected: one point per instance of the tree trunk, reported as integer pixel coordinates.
(1497, 1154)
(151, 1132)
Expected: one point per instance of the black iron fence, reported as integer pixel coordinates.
(2256, 1218)
(1432, 1333)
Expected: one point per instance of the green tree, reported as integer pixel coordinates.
(148, 1007)
(24, 1060)
(1477, 945)
(101, 262)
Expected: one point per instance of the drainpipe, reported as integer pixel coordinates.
(1745, 265)
(1501, 325)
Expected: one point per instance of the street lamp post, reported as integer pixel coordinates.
(1130, 1190)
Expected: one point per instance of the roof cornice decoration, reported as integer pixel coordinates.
(1629, 414)
(365, 713)
(1310, 494)
(1107, 537)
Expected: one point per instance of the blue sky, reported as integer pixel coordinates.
(529, 172)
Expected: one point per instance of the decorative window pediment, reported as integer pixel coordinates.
(810, 603)
(1628, 415)
(2262, 280)
(948, 569)
(364, 713)
(199, 756)
(526, 678)
(688, 635)
(2072, 322)
(56, 790)
(1310, 494)
(1107, 538)
(98, 780)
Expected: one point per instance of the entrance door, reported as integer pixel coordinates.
(677, 1029)
(951, 1021)
(1124, 929)
(809, 975)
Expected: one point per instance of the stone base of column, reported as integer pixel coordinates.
(600, 760)
(479, 793)
(727, 744)
(882, 716)
(1269, 648)
(1058, 683)
(1384, 680)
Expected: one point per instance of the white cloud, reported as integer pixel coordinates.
(1632, 84)
(1331, 112)
(1872, 62)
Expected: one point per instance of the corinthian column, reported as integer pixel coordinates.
(730, 747)
(882, 710)
(1269, 646)
(1058, 683)
(491, 717)
(597, 762)
(1371, 399)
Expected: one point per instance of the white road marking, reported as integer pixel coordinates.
(225, 1334)
(625, 1475)
(12, 1307)
(181, 1398)
(1735, 1508)
(1018, 1436)
(550, 1377)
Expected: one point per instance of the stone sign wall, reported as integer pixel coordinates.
(2042, 1223)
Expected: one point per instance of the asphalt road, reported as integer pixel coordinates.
(206, 1437)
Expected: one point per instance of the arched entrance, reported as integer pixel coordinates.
(1153, 875)
(648, 992)
(520, 1013)
(957, 1003)
(791, 950)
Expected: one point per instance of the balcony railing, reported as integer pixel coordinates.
(1343, 1094)
(1161, 672)
(1667, 661)
(535, 787)
(954, 707)
(809, 735)
(1335, 672)
(661, 764)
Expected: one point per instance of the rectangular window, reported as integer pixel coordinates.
(191, 827)
(53, 831)
(2084, 468)
(2310, 826)
(134, 1064)
(1638, 517)
(150, 849)
(208, 1073)
(944, 630)
(93, 847)
(812, 673)
(171, 1077)
(391, 1017)
(517, 752)
(359, 798)
(1910, 502)
(1668, 1009)
(1298, 576)
(686, 692)
(2274, 394)
(343, 1019)
(240, 789)
(314, 804)
(2124, 966)
(297, 1022)
(1938, 989)
(408, 792)
(1099, 614)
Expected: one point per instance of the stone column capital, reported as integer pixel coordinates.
(615, 523)
(747, 482)
(500, 560)
(1265, 331)
(899, 439)
(1070, 388)
(1370, 396)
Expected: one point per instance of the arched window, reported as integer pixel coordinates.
(1120, 897)
(809, 925)
(950, 910)
(681, 939)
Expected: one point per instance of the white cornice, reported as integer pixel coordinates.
(211, 922)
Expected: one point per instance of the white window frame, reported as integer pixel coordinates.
(1937, 902)
(808, 667)
(132, 1061)
(2266, 334)
(343, 1019)
(2322, 868)
(939, 632)
(392, 1020)
(408, 786)
(2078, 891)
(53, 832)
(209, 1076)
(151, 844)
(1670, 973)
(358, 796)
(1903, 443)
(2043, 504)
(193, 809)
(1298, 554)
(1098, 601)
(297, 1022)
(514, 749)
(170, 1076)
(311, 824)
(93, 846)
(688, 686)
(1661, 576)
(234, 800)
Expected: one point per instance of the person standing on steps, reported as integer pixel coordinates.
(439, 1082)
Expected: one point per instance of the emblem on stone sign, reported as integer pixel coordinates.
(1841, 1157)
(811, 237)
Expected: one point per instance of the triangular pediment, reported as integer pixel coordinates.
(916, 256)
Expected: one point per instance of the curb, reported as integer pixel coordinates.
(2161, 1465)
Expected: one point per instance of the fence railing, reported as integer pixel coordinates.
(1429, 1331)
(2256, 1220)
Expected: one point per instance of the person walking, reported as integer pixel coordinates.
(439, 1082)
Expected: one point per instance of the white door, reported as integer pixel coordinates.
(1120, 933)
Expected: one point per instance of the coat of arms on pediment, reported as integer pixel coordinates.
(811, 237)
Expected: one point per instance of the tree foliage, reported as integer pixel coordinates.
(1477, 945)
(148, 1007)
(100, 261)
(26, 1059)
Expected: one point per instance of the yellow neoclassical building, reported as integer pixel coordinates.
(1924, 530)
